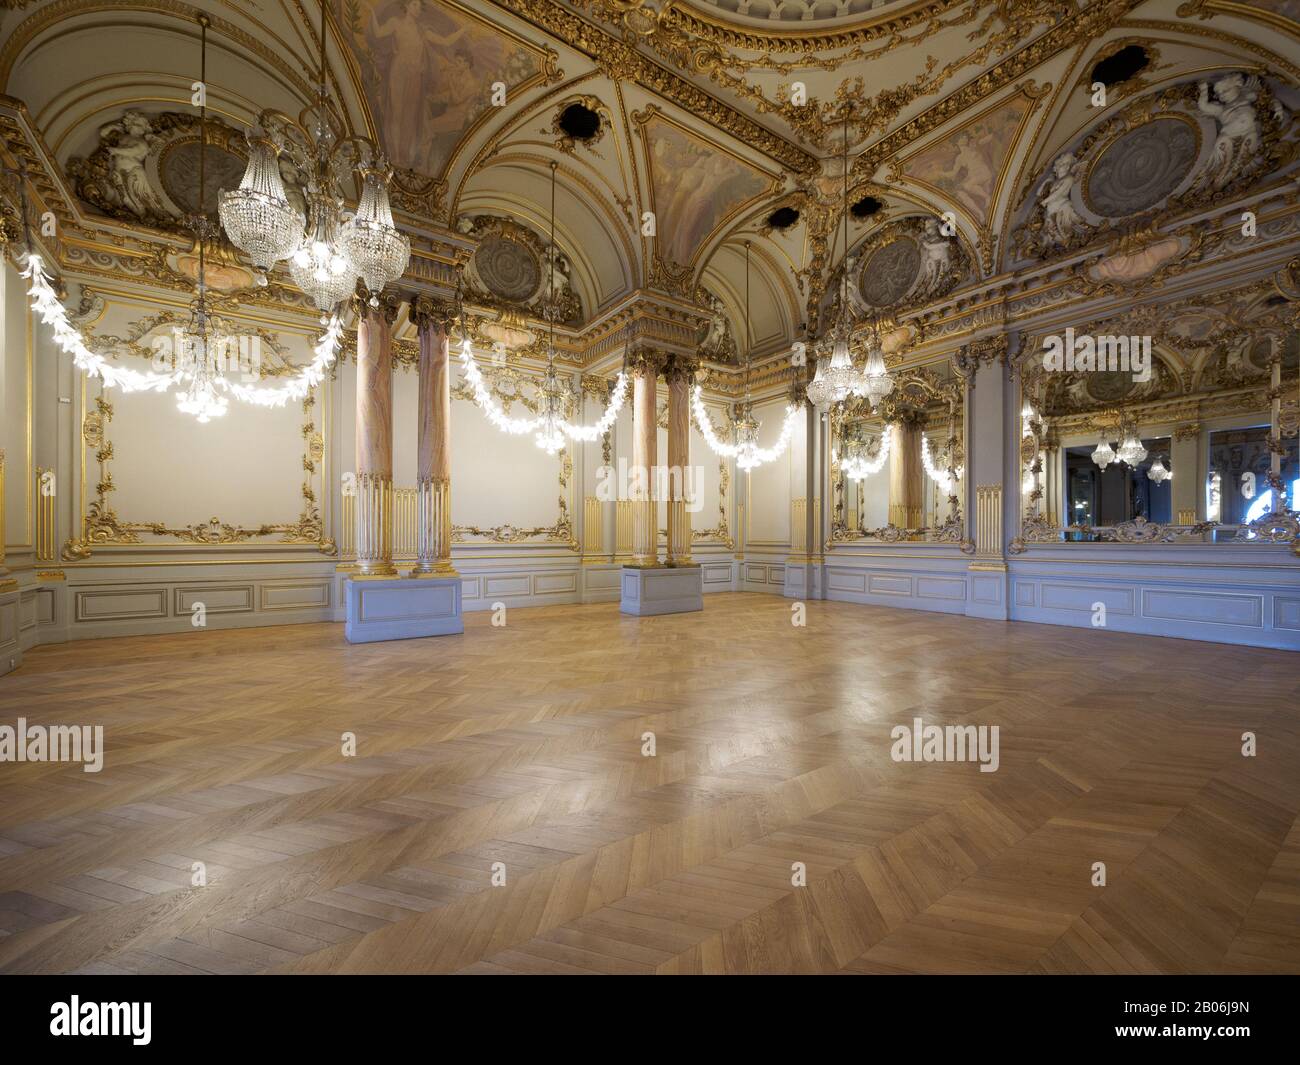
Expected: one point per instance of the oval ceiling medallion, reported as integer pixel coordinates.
(889, 272)
(1262, 349)
(1110, 386)
(509, 270)
(178, 172)
(1142, 167)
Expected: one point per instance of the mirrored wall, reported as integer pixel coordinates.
(897, 470)
(1180, 428)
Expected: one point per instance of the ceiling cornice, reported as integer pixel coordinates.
(620, 62)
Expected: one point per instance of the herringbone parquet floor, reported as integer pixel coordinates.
(522, 745)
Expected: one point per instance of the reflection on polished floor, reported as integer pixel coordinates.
(522, 745)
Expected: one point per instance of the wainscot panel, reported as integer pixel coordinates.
(1247, 595)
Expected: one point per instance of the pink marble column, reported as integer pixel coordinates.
(680, 375)
(374, 510)
(644, 366)
(432, 319)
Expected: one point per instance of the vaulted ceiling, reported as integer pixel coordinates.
(713, 112)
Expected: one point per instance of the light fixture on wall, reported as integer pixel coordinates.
(943, 478)
(745, 450)
(329, 251)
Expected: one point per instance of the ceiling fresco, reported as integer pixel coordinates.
(428, 71)
(695, 185)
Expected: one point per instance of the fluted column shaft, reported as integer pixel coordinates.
(432, 319)
(645, 524)
(906, 476)
(374, 510)
(680, 376)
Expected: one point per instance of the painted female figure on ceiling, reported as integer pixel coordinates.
(428, 72)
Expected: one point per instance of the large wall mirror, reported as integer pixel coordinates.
(897, 470)
(1183, 430)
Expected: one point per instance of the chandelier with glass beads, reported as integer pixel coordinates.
(202, 342)
(838, 380)
(329, 251)
(1129, 451)
(745, 450)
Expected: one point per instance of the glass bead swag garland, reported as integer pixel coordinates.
(550, 427)
(745, 450)
(205, 391)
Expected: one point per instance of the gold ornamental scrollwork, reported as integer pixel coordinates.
(103, 527)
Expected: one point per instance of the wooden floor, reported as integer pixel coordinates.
(522, 745)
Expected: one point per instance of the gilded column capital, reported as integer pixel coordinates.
(680, 367)
(385, 305)
(1187, 431)
(645, 361)
(970, 357)
(429, 311)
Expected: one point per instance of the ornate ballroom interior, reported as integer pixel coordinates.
(500, 383)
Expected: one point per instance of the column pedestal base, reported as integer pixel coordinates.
(402, 609)
(661, 590)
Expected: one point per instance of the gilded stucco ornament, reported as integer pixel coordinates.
(145, 168)
(102, 527)
(1164, 156)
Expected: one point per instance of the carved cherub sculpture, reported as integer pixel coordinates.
(713, 343)
(936, 260)
(1236, 145)
(1060, 219)
(128, 143)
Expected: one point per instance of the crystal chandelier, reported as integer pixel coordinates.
(1159, 472)
(1103, 456)
(257, 216)
(200, 345)
(550, 430)
(370, 239)
(319, 266)
(877, 381)
(328, 252)
(840, 380)
(1131, 452)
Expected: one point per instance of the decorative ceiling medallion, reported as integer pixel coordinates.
(904, 264)
(508, 269)
(1109, 386)
(1164, 155)
(145, 169)
(890, 271)
(1261, 350)
(1142, 167)
(178, 173)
